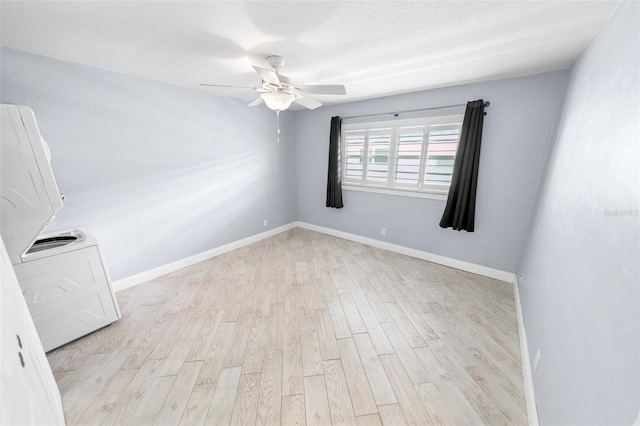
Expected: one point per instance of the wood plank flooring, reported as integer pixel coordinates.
(302, 328)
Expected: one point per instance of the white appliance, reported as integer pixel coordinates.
(62, 276)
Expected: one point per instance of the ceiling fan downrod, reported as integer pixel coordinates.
(276, 62)
(278, 124)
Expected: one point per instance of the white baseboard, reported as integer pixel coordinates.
(419, 254)
(145, 276)
(200, 257)
(532, 412)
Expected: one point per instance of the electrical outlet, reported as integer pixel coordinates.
(383, 231)
(266, 222)
(536, 360)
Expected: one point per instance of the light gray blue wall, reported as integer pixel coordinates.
(580, 290)
(516, 136)
(156, 172)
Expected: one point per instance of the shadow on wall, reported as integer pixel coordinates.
(157, 214)
(156, 172)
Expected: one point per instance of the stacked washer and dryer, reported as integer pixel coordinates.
(63, 276)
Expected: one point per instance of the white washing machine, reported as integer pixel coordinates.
(63, 276)
(66, 287)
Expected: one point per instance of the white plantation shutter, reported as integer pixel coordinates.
(409, 156)
(415, 155)
(441, 153)
(378, 155)
(354, 149)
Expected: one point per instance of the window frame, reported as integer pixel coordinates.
(419, 189)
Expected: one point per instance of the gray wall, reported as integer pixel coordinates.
(517, 133)
(156, 172)
(580, 290)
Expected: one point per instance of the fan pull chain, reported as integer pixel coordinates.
(278, 123)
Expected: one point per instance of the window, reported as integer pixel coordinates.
(414, 156)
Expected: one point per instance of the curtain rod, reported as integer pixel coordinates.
(395, 114)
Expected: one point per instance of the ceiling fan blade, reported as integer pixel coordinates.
(266, 75)
(326, 89)
(306, 102)
(256, 101)
(230, 87)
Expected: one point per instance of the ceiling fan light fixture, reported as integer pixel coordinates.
(278, 101)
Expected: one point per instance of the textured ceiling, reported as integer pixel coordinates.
(374, 48)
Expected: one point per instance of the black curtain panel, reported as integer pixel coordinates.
(334, 178)
(461, 204)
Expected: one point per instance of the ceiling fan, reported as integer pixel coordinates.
(277, 92)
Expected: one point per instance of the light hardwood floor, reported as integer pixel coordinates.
(302, 328)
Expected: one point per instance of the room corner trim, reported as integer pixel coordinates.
(530, 398)
(419, 254)
(145, 276)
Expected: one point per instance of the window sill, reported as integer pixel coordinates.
(399, 192)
